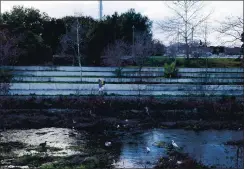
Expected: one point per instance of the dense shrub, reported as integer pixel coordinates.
(170, 70)
(118, 72)
(5, 78)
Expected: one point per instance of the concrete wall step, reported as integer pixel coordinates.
(119, 92)
(155, 87)
(128, 74)
(109, 69)
(124, 80)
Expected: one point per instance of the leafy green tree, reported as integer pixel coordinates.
(20, 18)
(113, 28)
(36, 52)
(52, 32)
(30, 23)
(43, 34)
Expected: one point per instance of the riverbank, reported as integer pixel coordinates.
(100, 113)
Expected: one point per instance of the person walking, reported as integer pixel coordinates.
(100, 86)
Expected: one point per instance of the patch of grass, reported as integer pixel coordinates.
(58, 166)
(40, 149)
(195, 62)
(77, 148)
(211, 63)
(161, 144)
(34, 160)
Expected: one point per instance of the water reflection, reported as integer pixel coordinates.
(128, 149)
(206, 147)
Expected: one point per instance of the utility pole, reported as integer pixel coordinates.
(133, 41)
(205, 33)
(100, 9)
(178, 39)
(192, 33)
(78, 44)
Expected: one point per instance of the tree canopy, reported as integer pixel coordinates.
(43, 34)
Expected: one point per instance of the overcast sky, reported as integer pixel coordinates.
(155, 10)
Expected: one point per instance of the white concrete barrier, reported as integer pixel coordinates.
(111, 69)
(68, 81)
(125, 80)
(126, 93)
(125, 74)
(108, 87)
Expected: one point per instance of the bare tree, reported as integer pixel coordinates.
(114, 53)
(188, 17)
(9, 50)
(172, 50)
(231, 27)
(206, 32)
(143, 48)
(74, 41)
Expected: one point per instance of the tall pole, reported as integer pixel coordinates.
(78, 44)
(101, 8)
(192, 33)
(133, 41)
(178, 39)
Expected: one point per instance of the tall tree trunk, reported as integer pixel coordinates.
(186, 48)
(78, 45)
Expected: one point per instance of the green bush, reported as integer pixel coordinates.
(118, 72)
(170, 70)
(5, 76)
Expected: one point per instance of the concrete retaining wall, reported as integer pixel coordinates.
(154, 87)
(125, 74)
(126, 93)
(125, 80)
(111, 69)
(67, 81)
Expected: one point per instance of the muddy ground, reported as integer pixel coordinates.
(100, 113)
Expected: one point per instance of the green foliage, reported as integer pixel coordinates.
(113, 28)
(118, 72)
(161, 144)
(21, 19)
(43, 34)
(170, 70)
(5, 76)
(34, 160)
(29, 23)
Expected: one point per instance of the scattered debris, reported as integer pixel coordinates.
(108, 143)
(179, 162)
